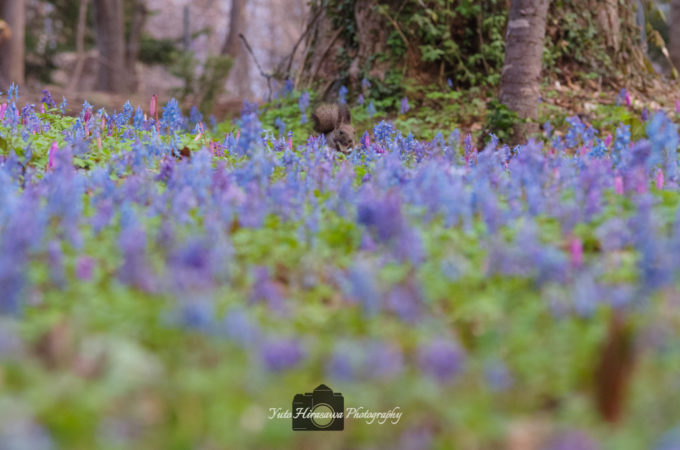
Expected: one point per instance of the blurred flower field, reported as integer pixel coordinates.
(163, 283)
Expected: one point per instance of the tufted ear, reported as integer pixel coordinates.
(344, 115)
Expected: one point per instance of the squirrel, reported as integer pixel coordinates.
(335, 122)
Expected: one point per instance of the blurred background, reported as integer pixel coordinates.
(373, 52)
(106, 50)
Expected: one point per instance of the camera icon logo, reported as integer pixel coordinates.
(321, 410)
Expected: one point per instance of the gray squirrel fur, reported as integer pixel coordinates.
(335, 122)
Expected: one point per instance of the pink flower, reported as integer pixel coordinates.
(608, 140)
(628, 101)
(153, 111)
(576, 250)
(84, 266)
(153, 105)
(51, 154)
(290, 143)
(659, 179)
(677, 106)
(618, 184)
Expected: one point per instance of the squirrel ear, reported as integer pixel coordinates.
(344, 115)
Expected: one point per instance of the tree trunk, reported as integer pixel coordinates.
(109, 25)
(521, 75)
(12, 50)
(234, 48)
(134, 42)
(674, 31)
(80, 46)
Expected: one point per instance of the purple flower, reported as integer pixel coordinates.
(238, 327)
(195, 115)
(196, 315)
(344, 362)
(415, 438)
(55, 258)
(382, 215)
(441, 359)
(189, 266)
(47, 99)
(51, 155)
(303, 102)
(572, 440)
(135, 269)
(370, 109)
(404, 106)
(361, 286)
(405, 303)
(280, 354)
(172, 116)
(265, 289)
(84, 267)
(365, 360)
(20, 431)
(497, 376)
(342, 94)
(670, 440)
(382, 360)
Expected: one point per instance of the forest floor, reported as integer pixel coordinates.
(568, 98)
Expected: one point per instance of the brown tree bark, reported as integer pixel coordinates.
(12, 50)
(234, 48)
(80, 46)
(139, 15)
(520, 79)
(109, 26)
(674, 31)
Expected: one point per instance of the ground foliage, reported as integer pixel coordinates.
(164, 282)
(462, 44)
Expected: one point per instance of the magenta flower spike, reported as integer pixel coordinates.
(153, 111)
(576, 251)
(628, 100)
(618, 184)
(84, 267)
(677, 106)
(51, 155)
(153, 106)
(659, 179)
(608, 140)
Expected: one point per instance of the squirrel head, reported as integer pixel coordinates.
(343, 138)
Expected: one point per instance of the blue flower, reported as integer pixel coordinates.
(279, 354)
(404, 108)
(370, 110)
(441, 359)
(342, 94)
